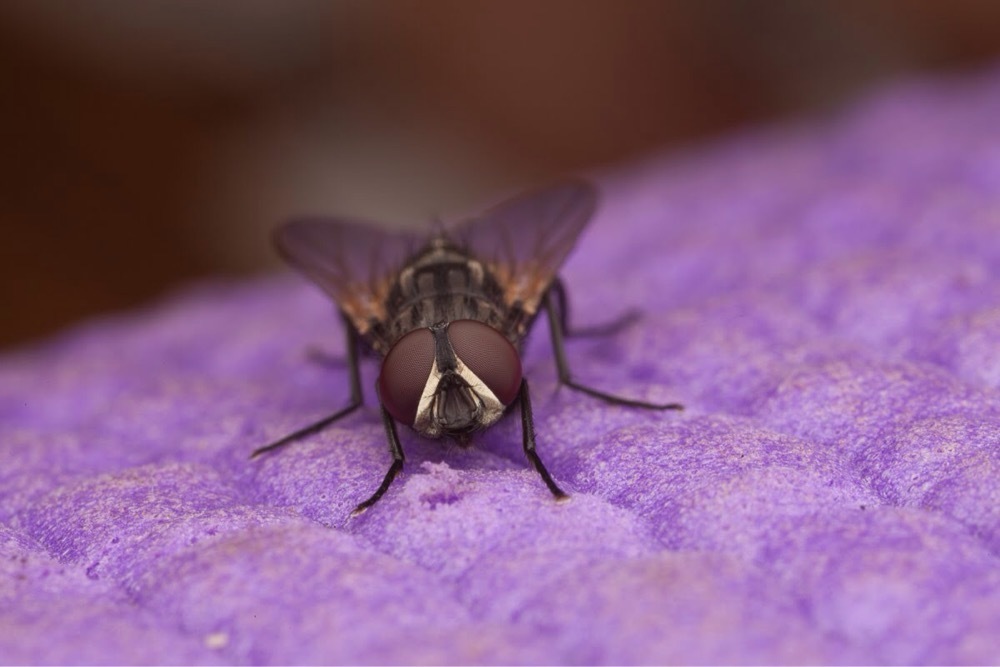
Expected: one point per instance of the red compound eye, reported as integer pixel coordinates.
(489, 355)
(404, 374)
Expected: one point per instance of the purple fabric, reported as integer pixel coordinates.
(824, 298)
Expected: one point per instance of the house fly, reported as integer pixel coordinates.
(447, 314)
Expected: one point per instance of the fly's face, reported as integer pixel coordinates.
(450, 379)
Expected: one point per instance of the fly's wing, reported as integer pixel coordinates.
(353, 261)
(524, 241)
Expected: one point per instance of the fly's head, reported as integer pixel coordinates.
(450, 379)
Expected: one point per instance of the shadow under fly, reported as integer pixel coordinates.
(447, 314)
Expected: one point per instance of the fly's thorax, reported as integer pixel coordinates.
(451, 378)
(443, 284)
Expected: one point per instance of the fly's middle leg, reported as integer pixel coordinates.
(556, 317)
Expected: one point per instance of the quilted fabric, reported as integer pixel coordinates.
(824, 298)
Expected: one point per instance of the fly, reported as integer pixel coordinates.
(448, 314)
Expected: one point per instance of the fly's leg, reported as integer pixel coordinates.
(354, 376)
(397, 463)
(528, 440)
(556, 331)
(626, 320)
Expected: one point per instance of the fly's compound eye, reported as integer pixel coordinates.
(404, 374)
(488, 354)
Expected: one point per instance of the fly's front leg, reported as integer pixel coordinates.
(354, 376)
(556, 328)
(528, 440)
(396, 449)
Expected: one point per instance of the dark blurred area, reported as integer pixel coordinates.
(149, 144)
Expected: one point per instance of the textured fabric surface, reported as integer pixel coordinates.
(824, 298)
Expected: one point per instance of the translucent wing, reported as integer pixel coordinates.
(353, 261)
(525, 240)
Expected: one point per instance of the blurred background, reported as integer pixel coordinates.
(150, 143)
